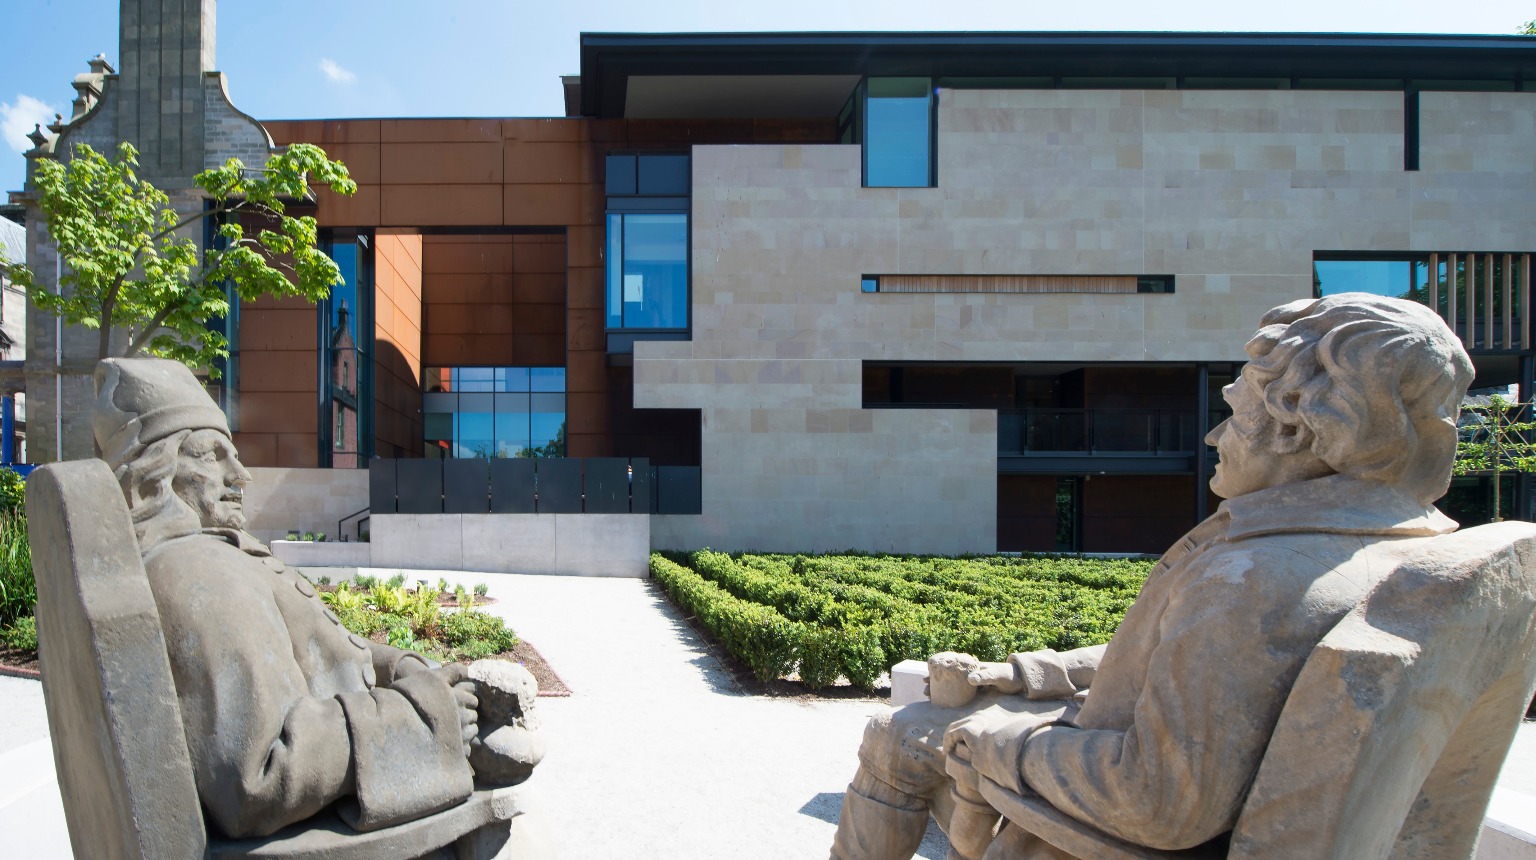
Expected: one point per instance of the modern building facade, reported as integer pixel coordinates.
(905, 292)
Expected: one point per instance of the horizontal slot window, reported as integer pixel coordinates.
(1109, 284)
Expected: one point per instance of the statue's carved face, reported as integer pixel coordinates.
(1250, 446)
(209, 477)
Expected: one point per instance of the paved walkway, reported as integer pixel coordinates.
(656, 754)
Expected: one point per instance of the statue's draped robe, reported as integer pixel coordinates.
(285, 711)
(1192, 684)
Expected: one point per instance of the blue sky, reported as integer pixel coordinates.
(290, 59)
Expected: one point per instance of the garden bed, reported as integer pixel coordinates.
(854, 616)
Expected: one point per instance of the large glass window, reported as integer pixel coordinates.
(1400, 278)
(898, 133)
(647, 270)
(490, 412)
(647, 254)
(346, 330)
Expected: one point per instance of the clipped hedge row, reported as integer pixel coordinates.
(855, 615)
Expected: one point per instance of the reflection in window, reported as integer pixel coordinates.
(492, 412)
(898, 133)
(1400, 279)
(647, 270)
(346, 351)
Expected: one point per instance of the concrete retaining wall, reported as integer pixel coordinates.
(280, 500)
(559, 544)
(327, 554)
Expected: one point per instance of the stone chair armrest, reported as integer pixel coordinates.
(326, 837)
(1034, 814)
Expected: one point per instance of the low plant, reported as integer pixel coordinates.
(18, 588)
(853, 615)
(481, 589)
(413, 620)
(397, 580)
(21, 635)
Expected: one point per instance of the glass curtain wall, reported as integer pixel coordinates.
(494, 412)
(647, 253)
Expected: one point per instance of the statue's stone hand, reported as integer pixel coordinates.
(1002, 677)
(509, 744)
(457, 676)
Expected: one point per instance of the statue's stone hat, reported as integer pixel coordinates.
(140, 401)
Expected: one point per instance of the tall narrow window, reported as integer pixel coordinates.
(346, 338)
(647, 253)
(898, 133)
(647, 271)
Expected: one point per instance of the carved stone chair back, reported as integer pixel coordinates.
(1393, 734)
(118, 747)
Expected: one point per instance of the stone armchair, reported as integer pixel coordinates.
(1393, 735)
(118, 744)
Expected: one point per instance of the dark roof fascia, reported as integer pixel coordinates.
(608, 59)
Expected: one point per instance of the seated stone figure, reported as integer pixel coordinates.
(1342, 435)
(285, 712)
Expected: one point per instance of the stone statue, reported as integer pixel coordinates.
(1342, 435)
(285, 712)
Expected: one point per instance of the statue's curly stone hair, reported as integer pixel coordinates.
(1377, 381)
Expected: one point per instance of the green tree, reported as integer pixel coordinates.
(1528, 28)
(129, 266)
(1496, 438)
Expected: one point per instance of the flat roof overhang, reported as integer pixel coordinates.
(813, 64)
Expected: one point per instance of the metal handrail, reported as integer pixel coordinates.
(359, 522)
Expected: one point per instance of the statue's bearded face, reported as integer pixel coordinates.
(209, 477)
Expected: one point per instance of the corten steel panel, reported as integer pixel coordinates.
(279, 370)
(547, 205)
(584, 288)
(678, 490)
(642, 495)
(438, 130)
(459, 288)
(538, 350)
(466, 486)
(441, 163)
(586, 372)
(471, 255)
(419, 486)
(440, 205)
(267, 328)
(381, 486)
(549, 129)
(584, 245)
(584, 328)
(559, 486)
(536, 318)
(605, 482)
(256, 449)
(298, 450)
(512, 485)
(365, 208)
(538, 288)
(541, 161)
(278, 412)
(361, 160)
(539, 254)
(318, 131)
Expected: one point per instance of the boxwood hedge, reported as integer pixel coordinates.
(853, 616)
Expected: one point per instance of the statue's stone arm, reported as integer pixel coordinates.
(391, 664)
(265, 753)
(1219, 655)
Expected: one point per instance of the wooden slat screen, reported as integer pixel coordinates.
(1007, 283)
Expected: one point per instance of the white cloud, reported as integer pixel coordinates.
(18, 117)
(336, 73)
